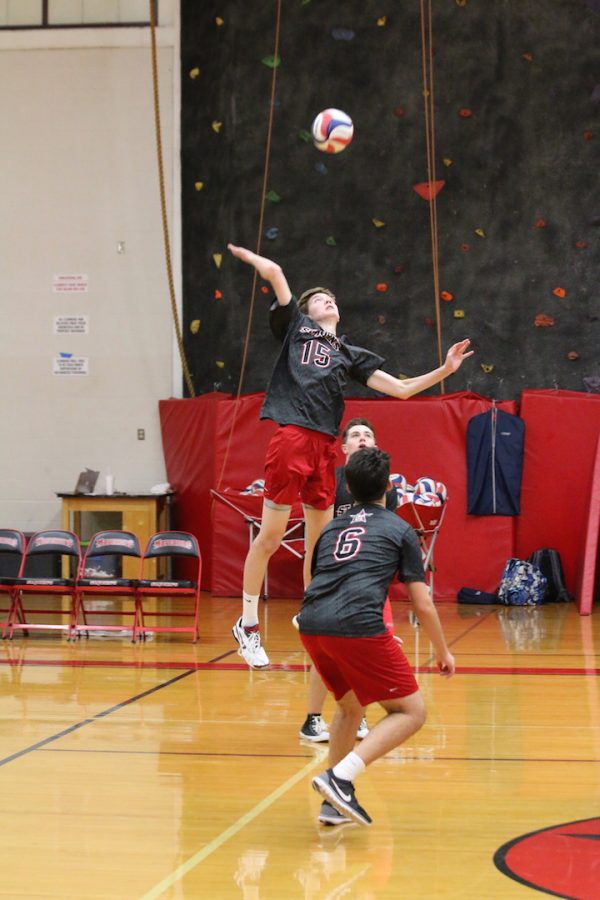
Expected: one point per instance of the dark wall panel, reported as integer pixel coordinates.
(518, 216)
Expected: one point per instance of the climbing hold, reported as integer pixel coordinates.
(194, 72)
(216, 126)
(465, 113)
(220, 363)
(399, 111)
(487, 368)
(581, 245)
(271, 61)
(273, 196)
(480, 232)
(588, 135)
(264, 289)
(272, 233)
(198, 185)
(573, 355)
(305, 136)
(542, 321)
(219, 21)
(398, 270)
(381, 21)
(321, 168)
(218, 295)
(428, 189)
(528, 57)
(195, 326)
(381, 320)
(540, 223)
(378, 223)
(218, 259)
(447, 162)
(446, 295)
(330, 241)
(381, 286)
(465, 248)
(559, 292)
(459, 313)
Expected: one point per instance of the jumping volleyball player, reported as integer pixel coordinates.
(305, 398)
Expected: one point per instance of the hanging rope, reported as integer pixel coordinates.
(163, 205)
(428, 101)
(261, 217)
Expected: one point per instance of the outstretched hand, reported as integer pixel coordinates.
(457, 354)
(266, 268)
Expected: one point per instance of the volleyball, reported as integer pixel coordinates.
(425, 485)
(332, 131)
(398, 481)
(428, 499)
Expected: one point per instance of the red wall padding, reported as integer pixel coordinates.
(561, 436)
(425, 436)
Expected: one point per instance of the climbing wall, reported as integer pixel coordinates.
(515, 157)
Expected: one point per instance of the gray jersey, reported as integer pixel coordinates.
(356, 558)
(313, 367)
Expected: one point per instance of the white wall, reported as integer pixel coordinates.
(78, 174)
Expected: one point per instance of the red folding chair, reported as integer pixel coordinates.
(12, 551)
(249, 507)
(170, 545)
(92, 583)
(54, 546)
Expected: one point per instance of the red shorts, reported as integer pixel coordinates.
(375, 668)
(300, 462)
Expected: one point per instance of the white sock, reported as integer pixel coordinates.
(249, 609)
(349, 767)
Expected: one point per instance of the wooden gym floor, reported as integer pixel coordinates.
(171, 770)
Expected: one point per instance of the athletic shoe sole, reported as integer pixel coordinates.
(322, 785)
(316, 738)
(329, 815)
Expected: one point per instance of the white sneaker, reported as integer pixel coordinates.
(250, 646)
(363, 729)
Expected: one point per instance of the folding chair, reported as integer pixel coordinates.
(249, 507)
(12, 551)
(56, 546)
(91, 583)
(172, 545)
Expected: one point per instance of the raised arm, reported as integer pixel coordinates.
(402, 389)
(268, 270)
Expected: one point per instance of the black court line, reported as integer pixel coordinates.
(200, 753)
(92, 719)
(402, 759)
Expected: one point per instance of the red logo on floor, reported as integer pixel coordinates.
(563, 860)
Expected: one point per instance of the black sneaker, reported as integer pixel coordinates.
(329, 815)
(314, 729)
(340, 793)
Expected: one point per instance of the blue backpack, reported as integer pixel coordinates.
(522, 584)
